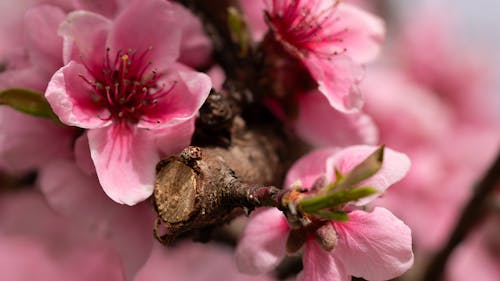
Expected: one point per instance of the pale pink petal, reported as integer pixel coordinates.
(148, 25)
(189, 92)
(213, 262)
(125, 160)
(321, 125)
(376, 245)
(363, 34)
(173, 139)
(196, 47)
(29, 77)
(82, 155)
(217, 76)
(84, 36)
(28, 259)
(394, 167)
(41, 39)
(337, 79)
(49, 247)
(27, 143)
(309, 167)
(320, 265)
(263, 243)
(79, 196)
(106, 8)
(424, 116)
(254, 15)
(72, 99)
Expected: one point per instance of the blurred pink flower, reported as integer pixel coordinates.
(373, 245)
(321, 125)
(462, 76)
(37, 244)
(448, 154)
(187, 261)
(119, 83)
(77, 196)
(332, 40)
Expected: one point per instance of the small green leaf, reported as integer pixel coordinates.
(364, 170)
(27, 101)
(332, 215)
(238, 29)
(334, 199)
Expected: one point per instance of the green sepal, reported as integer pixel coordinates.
(27, 101)
(332, 215)
(364, 170)
(334, 199)
(238, 29)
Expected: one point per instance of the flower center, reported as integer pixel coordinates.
(126, 87)
(300, 27)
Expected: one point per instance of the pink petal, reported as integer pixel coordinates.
(71, 98)
(375, 246)
(43, 43)
(173, 139)
(337, 79)
(309, 167)
(29, 77)
(364, 35)
(394, 167)
(148, 24)
(106, 8)
(254, 15)
(196, 47)
(28, 143)
(125, 160)
(320, 265)
(213, 262)
(263, 243)
(50, 247)
(182, 102)
(321, 125)
(218, 76)
(84, 36)
(82, 155)
(79, 196)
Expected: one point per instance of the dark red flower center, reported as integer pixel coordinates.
(126, 86)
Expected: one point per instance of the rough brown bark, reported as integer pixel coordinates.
(203, 186)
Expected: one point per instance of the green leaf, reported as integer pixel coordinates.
(238, 29)
(27, 101)
(334, 199)
(332, 215)
(364, 170)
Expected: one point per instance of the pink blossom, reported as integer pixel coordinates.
(119, 83)
(332, 40)
(77, 196)
(373, 245)
(187, 261)
(321, 125)
(448, 154)
(36, 243)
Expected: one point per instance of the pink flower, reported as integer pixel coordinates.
(373, 245)
(77, 196)
(38, 244)
(321, 125)
(332, 40)
(188, 261)
(120, 83)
